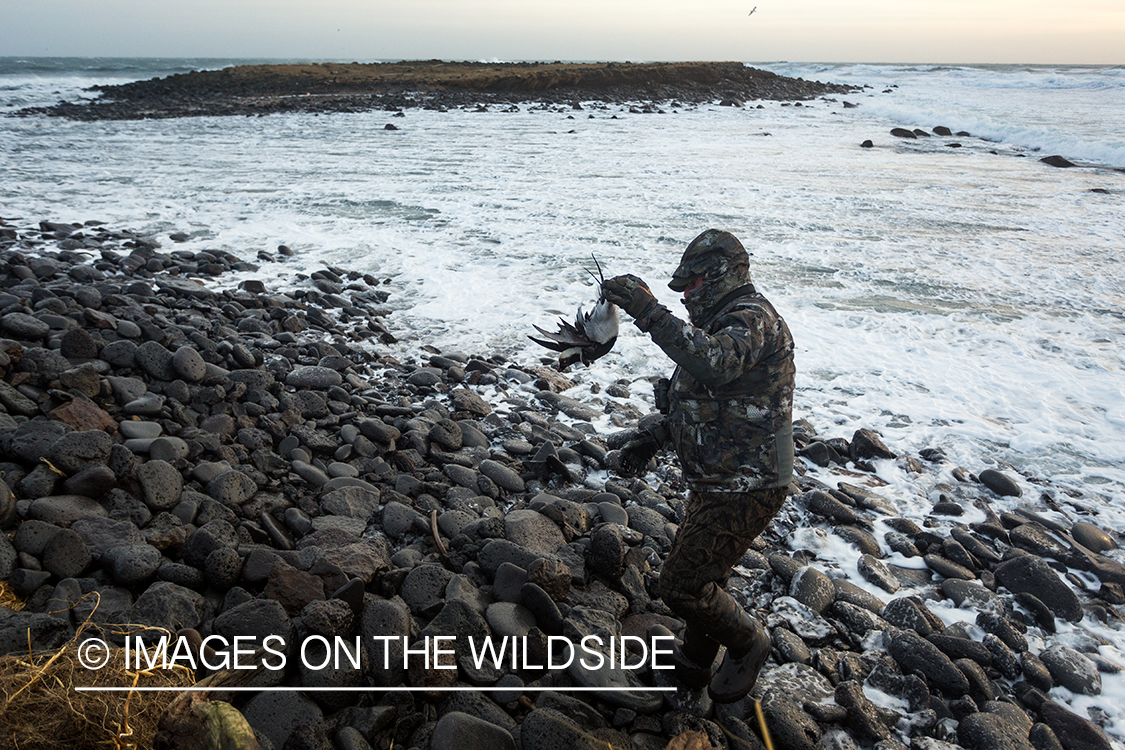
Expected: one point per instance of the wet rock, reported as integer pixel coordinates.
(867, 444)
(829, 507)
(1072, 670)
(914, 653)
(875, 571)
(813, 589)
(789, 725)
(1031, 574)
(1091, 537)
(1002, 629)
(972, 594)
(863, 716)
(1003, 658)
(1075, 732)
(1000, 483)
(1058, 161)
(986, 731)
(911, 613)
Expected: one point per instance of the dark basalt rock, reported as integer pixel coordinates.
(1058, 161)
(1032, 575)
(1000, 483)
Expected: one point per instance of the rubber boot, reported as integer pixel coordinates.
(743, 661)
(693, 657)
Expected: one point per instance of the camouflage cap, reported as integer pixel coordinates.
(710, 255)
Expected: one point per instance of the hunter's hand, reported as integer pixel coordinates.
(631, 294)
(636, 454)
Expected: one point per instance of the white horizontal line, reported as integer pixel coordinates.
(514, 689)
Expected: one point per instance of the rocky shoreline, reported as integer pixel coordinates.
(244, 462)
(433, 84)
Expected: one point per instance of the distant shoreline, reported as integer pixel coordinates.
(430, 84)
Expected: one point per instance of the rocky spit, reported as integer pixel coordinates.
(213, 459)
(433, 84)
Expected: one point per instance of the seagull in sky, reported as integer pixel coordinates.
(752, 11)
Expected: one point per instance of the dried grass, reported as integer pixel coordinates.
(42, 709)
(8, 597)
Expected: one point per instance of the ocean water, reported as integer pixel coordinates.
(969, 299)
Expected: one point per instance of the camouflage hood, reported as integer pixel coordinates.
(714, 265)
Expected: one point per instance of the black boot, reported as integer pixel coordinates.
(693, 657)
(744, 659)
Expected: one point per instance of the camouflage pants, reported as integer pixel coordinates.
(715, 534)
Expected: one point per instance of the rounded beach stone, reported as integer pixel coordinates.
(77, 343)
(75, 449)
(232, 488)
(1033, 575)
(168, 449)
(189, 364)
(162, 484)
(310, 473)
(461, 731)
(812, 588)
(423, 590)
(132, 564)
(1000, 483)
(876, 571)
(1073, 670)
(24, 326)
(1091, 537)
(505, 477)
(532, 530)
(66, 555)
(63, 510)
(156, 360)
(319, 378)
(222, 567)
(92, 481)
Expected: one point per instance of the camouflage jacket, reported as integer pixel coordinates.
(731, 396)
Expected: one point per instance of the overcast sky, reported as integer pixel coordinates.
(953, 31)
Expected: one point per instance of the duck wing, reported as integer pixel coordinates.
(565, 338)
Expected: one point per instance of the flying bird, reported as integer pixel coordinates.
(752, 11)
(591, 335)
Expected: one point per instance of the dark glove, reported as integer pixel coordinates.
(651, 435)
(636, 454)
(631, 294)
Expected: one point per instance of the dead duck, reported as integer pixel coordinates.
(592, 334)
